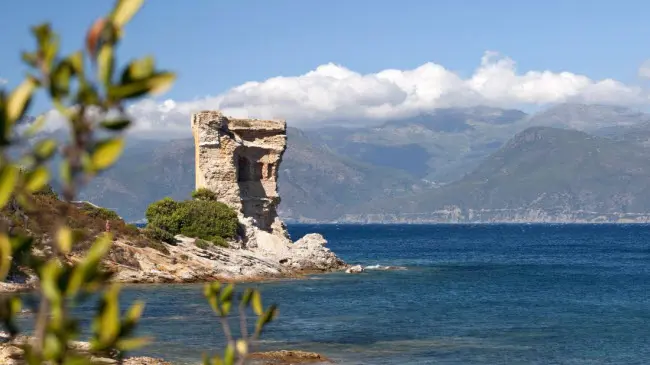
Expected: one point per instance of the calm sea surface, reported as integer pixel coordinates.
(485, 294)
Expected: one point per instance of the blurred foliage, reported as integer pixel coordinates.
(202, 217)
(88, 89)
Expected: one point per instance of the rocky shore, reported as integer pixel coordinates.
(185, 262)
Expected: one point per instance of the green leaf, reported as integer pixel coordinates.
(19, 99)
(52, 348)
(5, 256)
(64, 239)
(8, 178)
(49, 277)
(30, 58)
(85, 270)
(229, 355)
(134, 313)
(43, 33)
(270, 314)
(226, 293)
(130, 344)
(138, 70)
(44, 149)
(246, 297)
(99, 249)
(266, 318)
(154, 84)
(77, 62)
(124, 11)
(87, 94)
(116, 124)
(106, 153)
(60, 80)
(37, 179)
(105, 64)
(257, 303)
(109, 320)
(65, 172)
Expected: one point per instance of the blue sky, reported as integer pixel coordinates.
(215, 45)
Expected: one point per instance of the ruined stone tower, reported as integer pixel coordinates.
(239, 159)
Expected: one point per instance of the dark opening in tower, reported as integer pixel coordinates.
(248, 170)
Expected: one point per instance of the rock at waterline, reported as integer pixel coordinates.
(357, 269)
(286, 357)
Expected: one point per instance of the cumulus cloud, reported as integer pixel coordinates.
(3, 81)
(334, 94)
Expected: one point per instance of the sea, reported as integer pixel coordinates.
(456, 294)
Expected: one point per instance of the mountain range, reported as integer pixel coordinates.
(568, 163)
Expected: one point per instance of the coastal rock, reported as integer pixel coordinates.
(357, 269)
(286, 357)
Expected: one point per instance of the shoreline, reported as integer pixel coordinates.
(9, 288)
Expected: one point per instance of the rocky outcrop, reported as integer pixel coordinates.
(239, 160)
(185, 262)
(356, 269)
(288, 357)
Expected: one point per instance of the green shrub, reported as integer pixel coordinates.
(160, 214)
(47, 191)
(220, 241)
(201, 218)
(204, 194)
(209, 220)
(132, 229)
(159, 234)
(202, 244)
(99, 212)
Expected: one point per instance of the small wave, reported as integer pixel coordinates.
(382, 267)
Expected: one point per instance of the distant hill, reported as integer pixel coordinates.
(587, 117)
(541, 174)
(413, 169)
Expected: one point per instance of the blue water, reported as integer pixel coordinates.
(486, 294)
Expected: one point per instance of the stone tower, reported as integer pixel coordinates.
(239, 159)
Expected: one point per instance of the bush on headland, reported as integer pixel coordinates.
(202, 217)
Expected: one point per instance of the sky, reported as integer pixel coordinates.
(360, 61)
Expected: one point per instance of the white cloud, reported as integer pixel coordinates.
(332, 93)
(3, 81)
